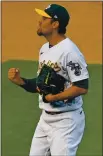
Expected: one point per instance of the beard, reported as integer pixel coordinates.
(45, 33)
(39, 32)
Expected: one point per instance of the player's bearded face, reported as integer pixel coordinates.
(45, 27)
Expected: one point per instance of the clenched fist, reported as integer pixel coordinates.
(14, 76)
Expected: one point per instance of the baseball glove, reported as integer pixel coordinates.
(49, 82)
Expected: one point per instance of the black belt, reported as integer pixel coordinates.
(53, 113)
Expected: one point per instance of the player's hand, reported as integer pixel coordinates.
(14, 76)
(50, 98)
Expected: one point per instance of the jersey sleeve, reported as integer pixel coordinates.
(30, 85)
(76, 67)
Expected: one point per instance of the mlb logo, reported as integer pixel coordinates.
(48, 6)
(55, 16)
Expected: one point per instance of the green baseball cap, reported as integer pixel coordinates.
(56, 12)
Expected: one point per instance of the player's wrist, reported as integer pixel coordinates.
(56, 97)
(51, 98)
(60, 96)
(21, 82)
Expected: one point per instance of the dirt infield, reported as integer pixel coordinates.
(19, 24)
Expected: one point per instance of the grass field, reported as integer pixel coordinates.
(20, 112)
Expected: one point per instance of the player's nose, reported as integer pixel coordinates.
(39, 22)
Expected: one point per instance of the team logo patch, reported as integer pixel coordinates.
(76, 67)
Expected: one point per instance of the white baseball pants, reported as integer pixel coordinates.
(59, 134)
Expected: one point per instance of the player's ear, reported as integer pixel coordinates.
(55, 24)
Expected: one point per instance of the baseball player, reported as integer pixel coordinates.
(62, 78)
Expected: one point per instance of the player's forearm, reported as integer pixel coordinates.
(29, 85)
(70, 93)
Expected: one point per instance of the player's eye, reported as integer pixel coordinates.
(44, 18)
